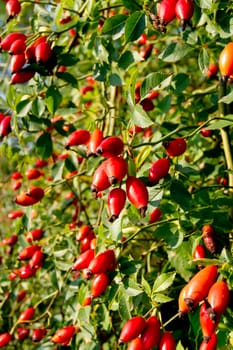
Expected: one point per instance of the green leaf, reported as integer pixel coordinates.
(124, 307)
(131, 5)
(130, 93)
(140, 117)
(165, 104)
(170, 233)
(128, 58)
(115, 230)
(115, 80)
(53, 99)
(203, 59)
(153, 82)
(62, 265)
(133, 214)
(107, 324)
(228, 98)
(38, 106)
(127, 267)
(69, 165)
(146, 286)
(69, 78)
(132, 171)
(175, 52)
(219, 124)
(132, 288)
(194, 319)
(134, 26)
(180, 194)
(206, 261)
(67, 59)
(87, 328)
(161, 298)
(180, 259)
(10, 96)
(100, 71)
(57, 171)
(114, 26)
(23, 107)
(85, 66)
(163, 282)
(44, 145)
(180, 82)
(180, 346)
(206, 4)
(141, 157)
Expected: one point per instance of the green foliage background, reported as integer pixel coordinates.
(155, 261)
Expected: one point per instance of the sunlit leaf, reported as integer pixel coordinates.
(115, 26)
(134, 26)
(175, 52)
(53, 99)
(44, 145)
(163, 282)
(153, 82)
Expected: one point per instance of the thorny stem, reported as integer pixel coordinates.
(163, 138)
(112, 110)
(226, 139)
(171, 319)
(60, 182)
(151, 312)
(98, 221)
(6, 297)
(141, 229)
(173, 132)
(53, 295)
(82, 165)
(110, 7)
(51, 4)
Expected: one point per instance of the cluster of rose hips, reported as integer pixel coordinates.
(144, 334)
(62, 336)
(26, 59)
(93, 265)
(114, 168)
(32, 257)
(168, 10)
(35, 193)
(213, 297)
(31, 174)
(217, 300)
(23, 332)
